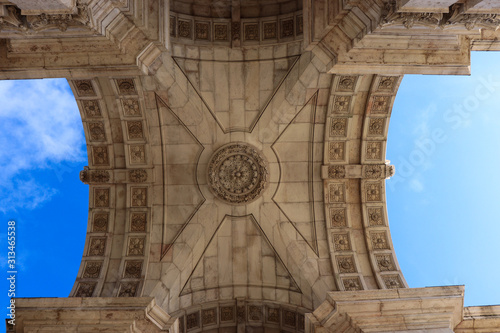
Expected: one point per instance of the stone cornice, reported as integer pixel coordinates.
(369, 37)
(138, 314)
(402, 310)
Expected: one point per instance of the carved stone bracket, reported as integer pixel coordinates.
(371, 171)
(88, 176)
(392, 16)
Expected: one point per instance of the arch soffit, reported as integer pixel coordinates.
(124, 121)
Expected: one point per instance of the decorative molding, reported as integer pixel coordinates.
(237, 173)
(136, 246)
(251, 31)
(387, 83)
(184, 28)
(374, 150)
(139, 197)
(341, 104)
(472, 21)
(373, 191)
(379, 240)
(376, 127)
(269, 30)
(254, 313)
(92, 269)
(88, 176)
(286, 28)
(221, 32)
(85, 289)
(380, 104)
(391, 16)
(336, 192)
(393, 281)
(91, 108)
(133, 269)
(351, 283)
(439, 310)
(261, 30)
(126, 87)
(338, 217)
(99, 176)
(338, 127)
(227, 314)
(128, 289)
(101, 197)
(336, 171)
(138, 175)
(202, 30)
(236, 30)
(15, 22)
(289, 318)
(346, 264)
(84, 88)
(373, 171)
(97, 246)
(138, 221)
(100, 156)
(192, 320)
(375, 216)
(385, 262)
(134, 130)
(100, 223)
(209, 317)
(131, 107)
(336, 151)
(347, 83)
(341, 242)
(96, 131)
(457, 18)
(137, 154)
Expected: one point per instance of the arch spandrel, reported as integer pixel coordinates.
(314, 101)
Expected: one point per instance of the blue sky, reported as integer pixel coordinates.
(43, 150)
(444, 140)
(442, 203)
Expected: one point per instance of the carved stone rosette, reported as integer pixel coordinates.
(237, 173)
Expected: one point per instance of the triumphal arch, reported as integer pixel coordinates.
(236, 159)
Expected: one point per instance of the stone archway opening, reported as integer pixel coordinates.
(43, 149)
(441, 201)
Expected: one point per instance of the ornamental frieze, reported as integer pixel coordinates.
(457, 18)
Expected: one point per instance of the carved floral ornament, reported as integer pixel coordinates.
(456, 18)
(31, 24)
(237, 173)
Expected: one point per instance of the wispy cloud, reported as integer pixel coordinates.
(422, 131)
(39, 126)
(416, 185)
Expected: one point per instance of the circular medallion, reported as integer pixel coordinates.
(237, 173)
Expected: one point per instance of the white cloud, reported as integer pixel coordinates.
(39, 126)
(425, 117)
(416, 185)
